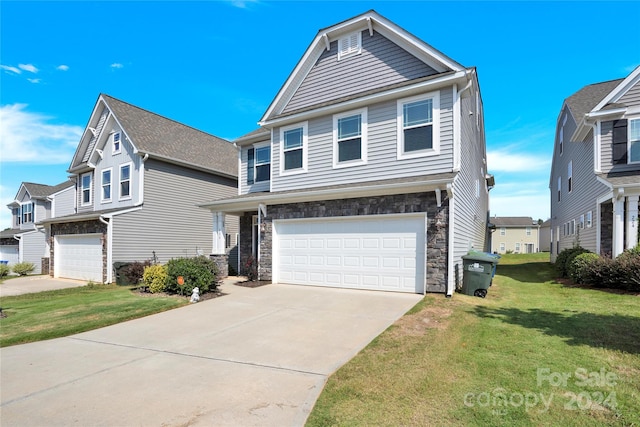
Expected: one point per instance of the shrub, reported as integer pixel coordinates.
(198, 272)
(580, 267)
(627, 270)
(134, 272)
(251, 269)
(23, 268)
(564, 258)
(4, 270)
(155, 277)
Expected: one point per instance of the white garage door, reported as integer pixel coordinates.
(372, 252)
(78, 257)
(9, 253)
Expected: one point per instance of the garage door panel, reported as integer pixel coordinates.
(78, 257)
(356, 252)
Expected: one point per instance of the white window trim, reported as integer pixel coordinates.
(561, 137)
(629, 120)
(120, 196)
(82, 189)
(570, 177)
(559, 195)
(305, 137)
(581, 222)
(589, 219)
(503, 247)
(363, 139)
(113, 143)
(32, 212)
(255, 161)
(435, 123)
(351, 52)
(503, 231)
(527, 231)
(102, 199)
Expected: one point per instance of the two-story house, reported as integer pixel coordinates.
(138, 176)
(25, 241)
(595, 174)
(369, 170)
(517, 234)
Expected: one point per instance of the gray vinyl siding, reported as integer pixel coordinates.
(90, 206)
(33, 248)
(169, 222)
(256, 187)
(64, 202)
(380, 64)
(470, 211)
(41, 211)
(632, 97)
(382, 162)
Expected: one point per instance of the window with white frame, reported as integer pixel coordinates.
(350, 45)
(17, 213)
(589, 219)
(559, 188)
(581, 221)
(634, 140)
(503, 231)
(125, 181)
(293, 149)
(27, 212)
(85, 186)
(517, 247)
(117, 144)
(502, 247)
(561, 136)
(259, 164)
(418, 126)
(572, 227)
(528, 231)
(570, 176)
(350, 138)
(106, 185)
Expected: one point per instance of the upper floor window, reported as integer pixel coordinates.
(125, 181)
(27, 212)
(561, 135)
(559, 187)
(18, 216)
(106, 185)
(293, 148)
(117, 144)
(350, 138)
(85, 185)
(570, 176)
(528, 231)
(258, 164)
(626, 141)
(503, 231)
(350, 45)
(634, 140)
(418, 120)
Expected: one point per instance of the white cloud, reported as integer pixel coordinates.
(117, 65)
(62, 67)
(28, 67)
(36, 81)
(6, 196)
(510, 161)
(11, 69)
(243, 4)
(28, 137)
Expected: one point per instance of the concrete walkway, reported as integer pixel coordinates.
(255, 357)
(33, 284)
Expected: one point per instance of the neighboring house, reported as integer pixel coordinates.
(138, 176)
(25, 241)
(595, 174)
(369, 170)
(517, 234)
(545, 236)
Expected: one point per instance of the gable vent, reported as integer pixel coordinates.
(350, 45)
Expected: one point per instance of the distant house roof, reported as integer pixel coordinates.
(42, 191)
(513, 221)
(584, 100)
(168, 140)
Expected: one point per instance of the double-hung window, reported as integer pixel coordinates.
(85, 185)
(125, 181)
(559, 188)
(258, 164)
(27, 213)
(293, 149)
(350, 138)
(418, 126)
(626, 141)
(117, 144)
(570, 176)
(106, 185)
(589, 219)
(634, 140)
(528, 231)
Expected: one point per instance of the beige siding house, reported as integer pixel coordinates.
(520, 235)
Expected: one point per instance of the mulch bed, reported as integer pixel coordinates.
(253, 283)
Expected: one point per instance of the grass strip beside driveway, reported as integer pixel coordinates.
(534, 352)
(55, 314)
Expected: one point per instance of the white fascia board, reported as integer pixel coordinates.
(606, 113)
(252, 203)
(620, 90)
(402, 92)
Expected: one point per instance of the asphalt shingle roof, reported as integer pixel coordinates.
(584, 100)
(40, 191)
(512, 221)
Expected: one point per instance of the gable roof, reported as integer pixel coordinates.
(42, 191)
(583, 101)
(161, 138)
(370, 21)
(513, 221)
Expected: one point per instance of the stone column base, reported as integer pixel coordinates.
(222, 262)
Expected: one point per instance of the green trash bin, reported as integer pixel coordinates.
(478, 270)
(119, 267)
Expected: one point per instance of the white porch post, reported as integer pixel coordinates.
(618, 227)
(632, 221)
(219, 234)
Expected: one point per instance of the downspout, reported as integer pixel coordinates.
(259, 240)
(450, 278)
(109, 254)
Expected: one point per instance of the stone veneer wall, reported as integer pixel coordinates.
(437, 220)
(606, 228)
(222, 262)
(81, 227)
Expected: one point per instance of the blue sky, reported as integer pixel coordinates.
(216, 66)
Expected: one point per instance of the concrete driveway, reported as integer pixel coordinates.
(32, 284)
(254, 357)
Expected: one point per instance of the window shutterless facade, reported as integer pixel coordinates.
(419, 126)
(350, 138)
(117, 145)
(85, 185)
(570, 176)
(258, 164)
(106, 185)
(27, 212)
(125, 181)
(634, 140)
(293, 149)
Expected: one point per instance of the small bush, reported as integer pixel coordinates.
(579, 269)
(564, 258)
(23, 268)
(251, 269)
(198, 272)
(133, 272)
(4, 270)
(627, 270)
(155, 277)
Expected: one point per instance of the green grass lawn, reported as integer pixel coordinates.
(54, 314)
(534, 352)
